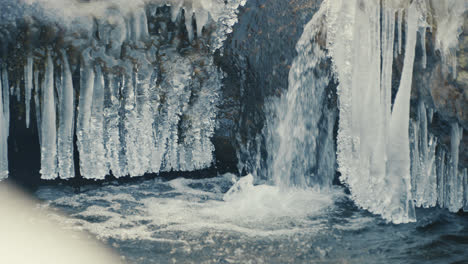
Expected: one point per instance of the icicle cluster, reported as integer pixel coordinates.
(373, 143)
(373, 139)
(436, 177)
(141, 104)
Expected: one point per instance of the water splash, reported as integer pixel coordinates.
(192, 206)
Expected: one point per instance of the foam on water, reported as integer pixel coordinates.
(154, 210)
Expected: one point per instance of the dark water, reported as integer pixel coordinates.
(195, 221)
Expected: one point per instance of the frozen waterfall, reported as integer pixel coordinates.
(373, 137)
(390, 162)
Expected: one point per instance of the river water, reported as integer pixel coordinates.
(229, 220)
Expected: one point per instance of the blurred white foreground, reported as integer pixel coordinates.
(27, 236)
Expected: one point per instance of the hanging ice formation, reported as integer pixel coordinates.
(386, 173)
(436, 178)
(48, 123)
(4, 121)
(142, 88)
(373, 138)
(373, 143)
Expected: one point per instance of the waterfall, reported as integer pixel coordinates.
(300, 127)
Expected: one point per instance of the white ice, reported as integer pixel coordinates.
(48, 124)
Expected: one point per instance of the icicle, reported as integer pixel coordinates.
(188, 22)
(112, 140)
(195, 150)
(155, 103)
(86, 95)
(138, 25)
(130, 126)
(175, 9)
(454, 67)
(37, 104)
(430, 114)
(398, 156)
(18, 91)
(415, 161)
(201, 16)
(84, 143)
(66, 168)
(177, 83)
(373, 143)
(145, 139)
(400, 31)
(424, 173)
(6, 99)
(28, 85)
(455, 181)
(441, 179)
(58, 80)
(465, 188)
(388, 41)
(97, 162)
(423, 46)
(144, 34)
(3, 136)
(48, 127)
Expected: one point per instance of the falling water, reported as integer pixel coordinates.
(300, 141)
